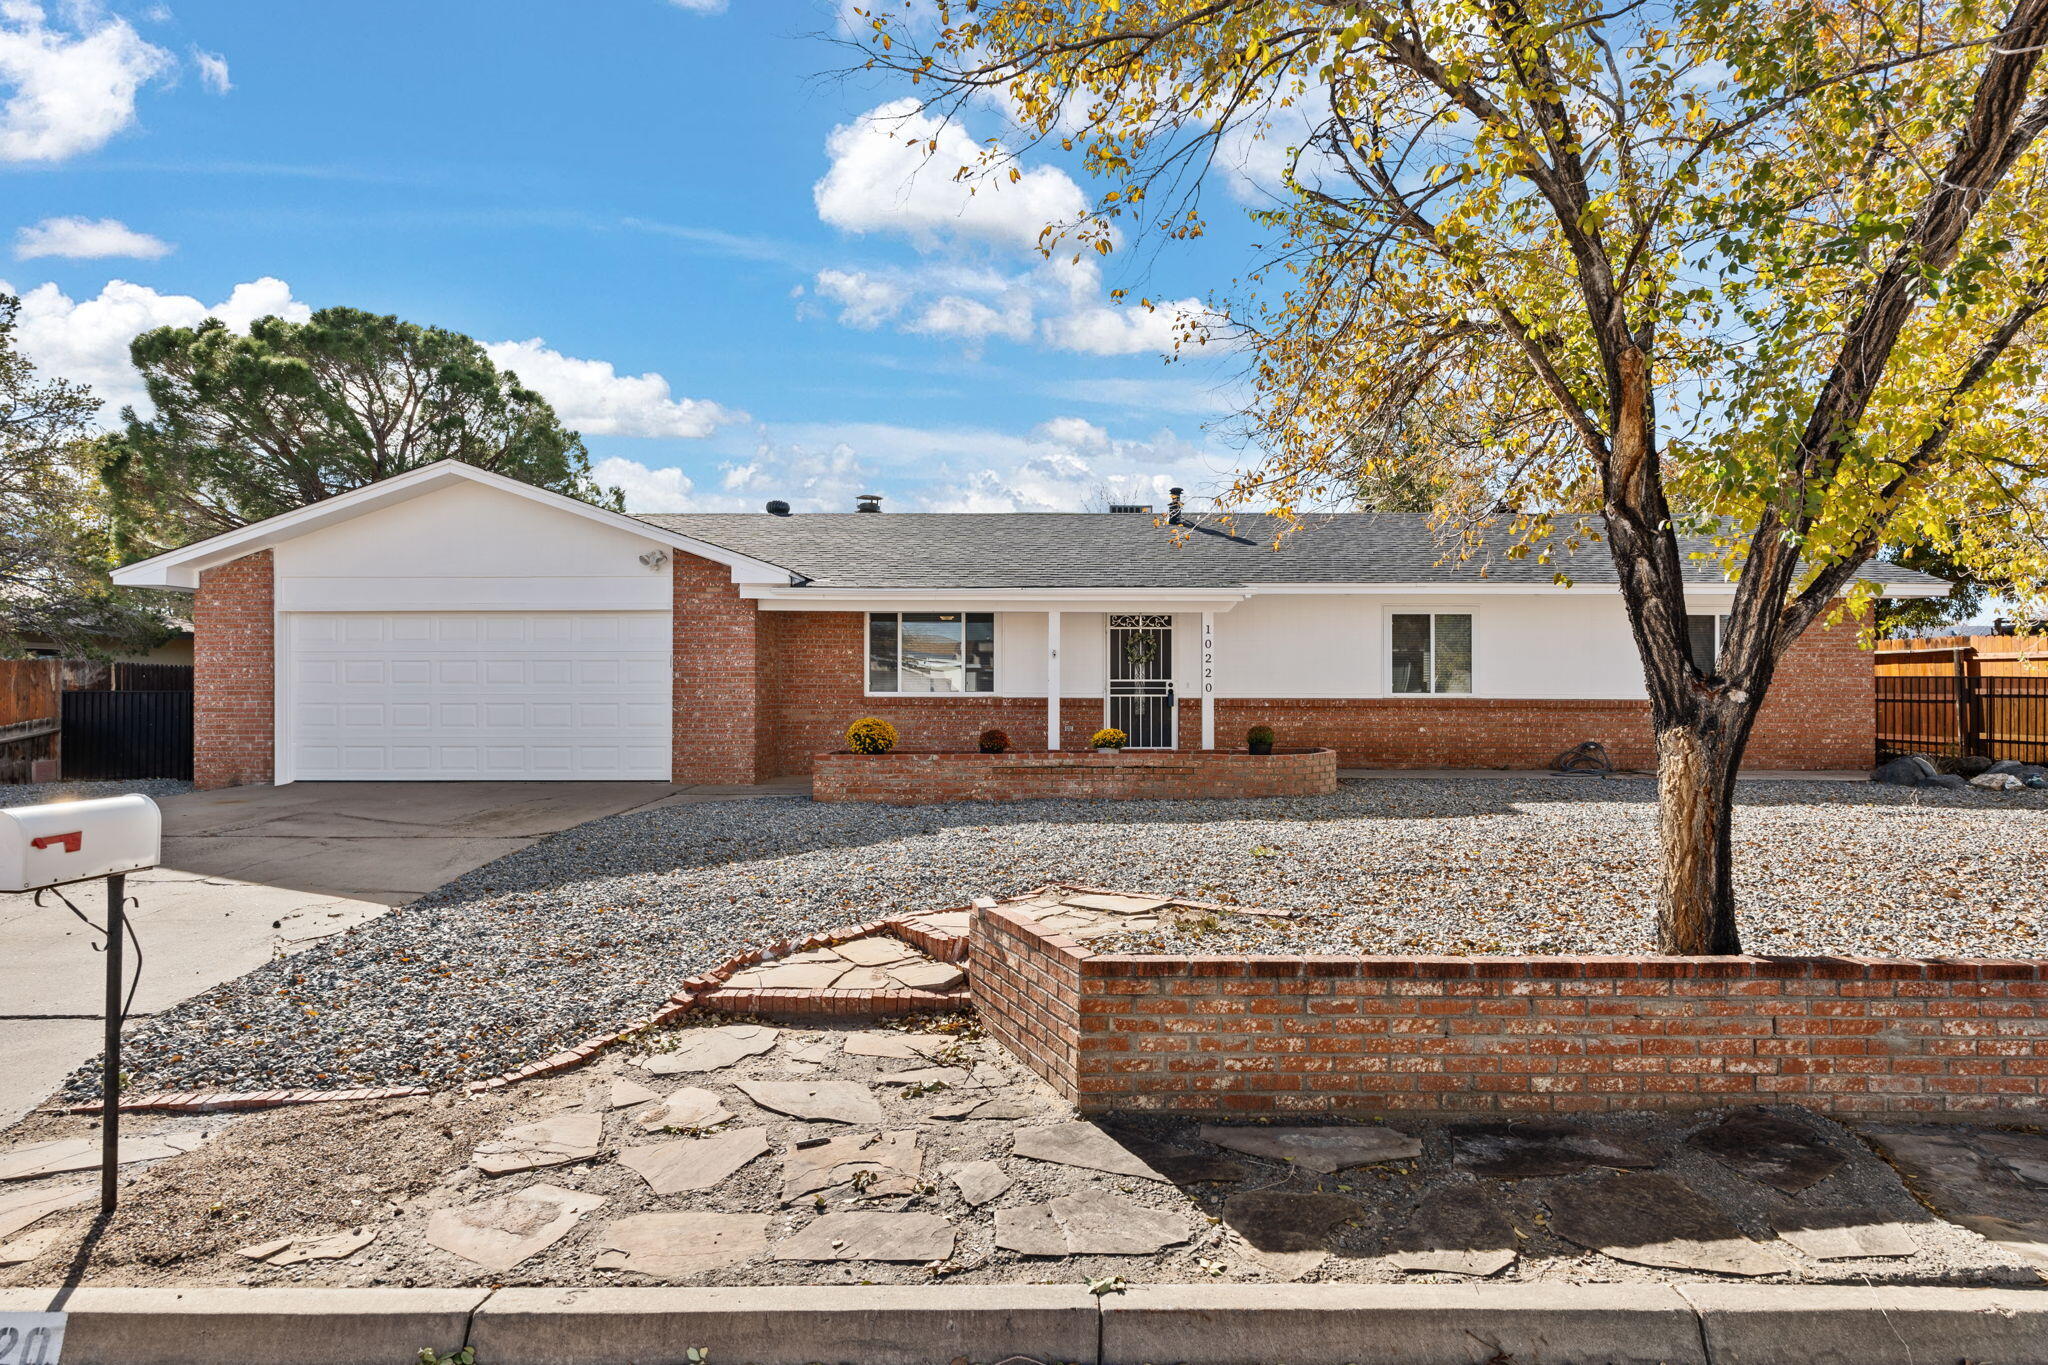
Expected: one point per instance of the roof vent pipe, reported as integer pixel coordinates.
(1173, 507)
(868, 502)
(777, 508)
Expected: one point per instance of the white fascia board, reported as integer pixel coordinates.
(181, 568)
(785, 598)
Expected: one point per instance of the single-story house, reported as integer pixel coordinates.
(452, 624)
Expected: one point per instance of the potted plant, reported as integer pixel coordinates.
(1259, 739)
(1108, 740)
(871, 735)
(993, 742)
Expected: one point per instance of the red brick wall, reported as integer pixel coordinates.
(1820, 713)
(234, 676)
(918, 779)
(719, 729)
(1369, 1035)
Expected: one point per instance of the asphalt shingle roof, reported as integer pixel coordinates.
(1125, 550)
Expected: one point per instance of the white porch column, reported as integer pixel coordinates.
(1208, 680)
(1052, 680)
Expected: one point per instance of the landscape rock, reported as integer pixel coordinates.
(1843, 1234)
(927, 975)
(824, 1101)
(64, 1155)
(1907, 770)
(1084, 1145)
(675, 1246)
(876, 950)
(1276, 1220)
(19, 1208)
(887, 1043)
(1523, 1149)
(710, 1049)
(30, 1245)
(499, 1233)
(694, 1163)
(925, 1075)
(979, 1181)
(689, 1108)
(555, 1141)
(299, 1250)
(1778, 1151)
(1456, 1231)
(1997, 782)
(994, 1107)
(624, 1094)
(1325, 1149)
(1654, 1220)
(1088, 1224)
(886, 1164)
(861, 1235)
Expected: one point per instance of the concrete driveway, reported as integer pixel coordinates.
(254, 872)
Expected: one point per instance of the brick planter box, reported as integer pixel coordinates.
(916, 779)
(1369, 1035)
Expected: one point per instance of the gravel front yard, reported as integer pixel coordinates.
(593, 927)
(37, 793)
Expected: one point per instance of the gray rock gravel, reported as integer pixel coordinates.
(593, 927)
(36, 793)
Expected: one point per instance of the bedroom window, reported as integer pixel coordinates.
(931, 651)
(1432, 652)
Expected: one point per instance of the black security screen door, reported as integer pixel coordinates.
(1141, 702)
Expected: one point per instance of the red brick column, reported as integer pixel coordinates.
(719, 733)
(234, 674)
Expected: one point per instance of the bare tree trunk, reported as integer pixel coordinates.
(1695, 802)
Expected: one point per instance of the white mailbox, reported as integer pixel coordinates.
(73, 840)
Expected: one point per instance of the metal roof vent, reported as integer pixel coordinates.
(1140, 507)
(777, 508)
(868, 502)
(1173, 507)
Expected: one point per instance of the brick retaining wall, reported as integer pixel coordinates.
(916, 779)
(1351, 1035)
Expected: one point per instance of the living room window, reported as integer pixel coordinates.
(931, 651)
(1430, 652)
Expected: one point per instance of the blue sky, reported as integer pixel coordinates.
(710, 252)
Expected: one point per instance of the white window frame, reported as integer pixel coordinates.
(1431, 609)
(867, 619)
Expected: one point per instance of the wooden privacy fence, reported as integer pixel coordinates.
(1985, 695)
(28, 715)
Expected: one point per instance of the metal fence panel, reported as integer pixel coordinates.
(1954, 714)
(127, 735)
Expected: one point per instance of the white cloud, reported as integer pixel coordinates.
(885, 177)
(700, 6)
(86, 341)
(213, 71)
(865, 300)
(983, 274)
(85, 239)
(69, 91)
(646, 490)
(597, 400)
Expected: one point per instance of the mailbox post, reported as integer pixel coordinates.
(43, 848)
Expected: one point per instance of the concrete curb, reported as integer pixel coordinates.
(1228, 1324)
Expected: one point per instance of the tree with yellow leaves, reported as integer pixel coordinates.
(1769, 271)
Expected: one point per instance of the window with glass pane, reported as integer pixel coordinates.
(1705, 649)
(931, 651)
(1410, 664)
(1430, 652)
(1452, 655)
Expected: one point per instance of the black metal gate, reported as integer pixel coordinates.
(1141, 698)
(127, 735)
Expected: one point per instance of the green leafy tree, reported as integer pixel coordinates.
(54, 548)
(248, 426)
(1769, 270)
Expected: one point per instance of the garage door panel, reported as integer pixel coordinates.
(479, 695)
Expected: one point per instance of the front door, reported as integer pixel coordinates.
(1141, 700)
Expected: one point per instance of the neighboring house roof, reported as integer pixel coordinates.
(1129, 550)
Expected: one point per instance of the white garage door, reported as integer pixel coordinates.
(437, 696)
